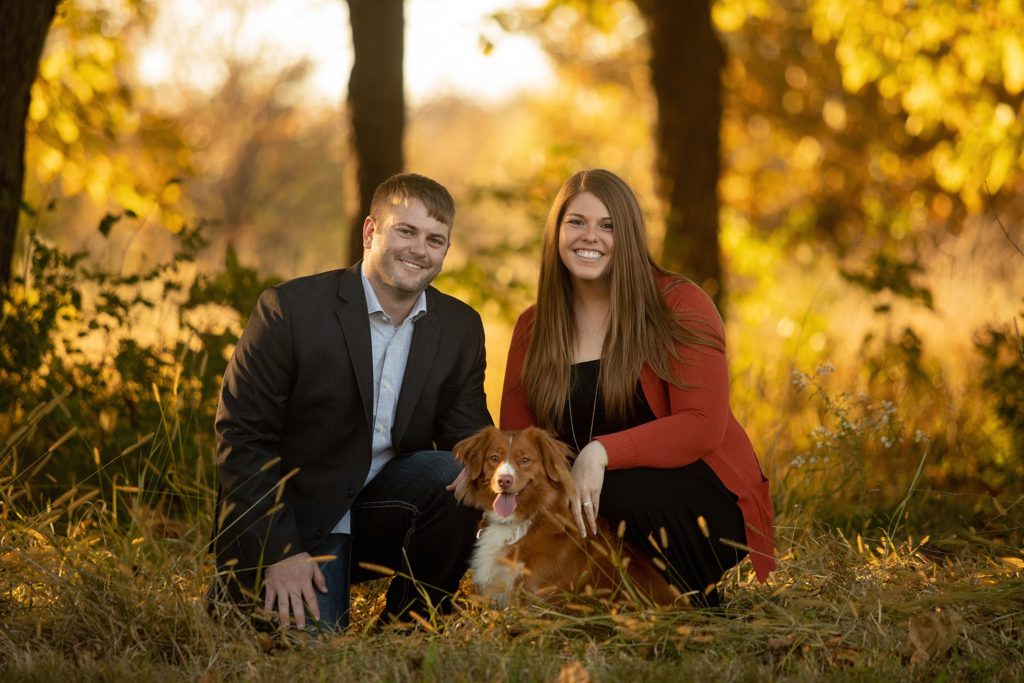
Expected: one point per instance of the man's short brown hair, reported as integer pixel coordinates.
(400, 188)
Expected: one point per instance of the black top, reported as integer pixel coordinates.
(587, 402)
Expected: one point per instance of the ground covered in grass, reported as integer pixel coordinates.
(82, 602)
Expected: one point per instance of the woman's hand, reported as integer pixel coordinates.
(588, 473)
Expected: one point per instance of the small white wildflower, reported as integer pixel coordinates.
(798, 379)
(921, 437)
(826, 369)
(798, 461)
(887, 442)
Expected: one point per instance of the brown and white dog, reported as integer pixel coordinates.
(527, 541)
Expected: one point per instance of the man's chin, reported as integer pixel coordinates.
(411, 284)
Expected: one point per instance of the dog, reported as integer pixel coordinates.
(526, 541)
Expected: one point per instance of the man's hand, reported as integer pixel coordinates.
(290, 583)
(460, 487)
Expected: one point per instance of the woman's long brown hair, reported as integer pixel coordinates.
(642, 330)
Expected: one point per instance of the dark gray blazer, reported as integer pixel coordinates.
(295, 416)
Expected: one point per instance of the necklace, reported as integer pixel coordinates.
(593, 412)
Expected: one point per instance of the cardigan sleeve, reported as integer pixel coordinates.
(515, 409)
(693, 423)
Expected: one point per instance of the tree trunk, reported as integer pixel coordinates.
(376, 100)
(23, 28)
(686, 62)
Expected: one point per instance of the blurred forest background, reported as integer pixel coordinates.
(844, 176)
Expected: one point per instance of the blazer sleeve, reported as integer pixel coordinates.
(249, 424)
(468, 412)
(515, 410)
(698, 414)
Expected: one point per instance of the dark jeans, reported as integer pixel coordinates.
(674, 500)
(403, 520)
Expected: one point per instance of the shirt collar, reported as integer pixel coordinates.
(373, 303)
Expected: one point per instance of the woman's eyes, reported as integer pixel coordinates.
(577, 222)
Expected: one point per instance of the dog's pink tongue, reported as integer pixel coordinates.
(505, 504)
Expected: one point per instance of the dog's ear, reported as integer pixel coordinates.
(471, 451)
(553, 454)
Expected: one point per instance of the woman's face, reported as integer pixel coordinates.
(585, 238)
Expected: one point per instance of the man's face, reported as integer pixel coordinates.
(404, 250)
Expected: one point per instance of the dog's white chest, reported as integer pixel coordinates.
(494, 572)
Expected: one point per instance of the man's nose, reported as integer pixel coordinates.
(419, 245)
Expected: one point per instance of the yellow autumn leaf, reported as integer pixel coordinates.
(1013, 64)
(66, 127)
(728, 16)
(38, 109)
(999, 168)
(49, 163)
(51, 66)
(171, 194)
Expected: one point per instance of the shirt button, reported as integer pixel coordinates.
(351, 491)
(319, 533)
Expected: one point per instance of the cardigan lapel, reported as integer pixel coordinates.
(654, 392)
(425, 338)
(355, 324)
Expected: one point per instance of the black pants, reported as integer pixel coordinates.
(403, 520)
(649, 500)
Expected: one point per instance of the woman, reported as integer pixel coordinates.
(625, 361)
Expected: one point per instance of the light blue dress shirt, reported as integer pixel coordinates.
(390, 346)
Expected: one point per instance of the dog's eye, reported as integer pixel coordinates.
(493, 457)
(524, 460)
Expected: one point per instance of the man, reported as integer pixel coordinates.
(341, 386)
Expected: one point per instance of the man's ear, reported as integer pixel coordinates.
(369, 228)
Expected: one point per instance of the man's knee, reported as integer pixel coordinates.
(435, 468)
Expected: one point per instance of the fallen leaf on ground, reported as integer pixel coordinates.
(931, 635)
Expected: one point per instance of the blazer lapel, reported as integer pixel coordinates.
(425, 337)
(355, 325)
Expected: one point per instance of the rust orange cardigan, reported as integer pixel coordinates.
(690, 424)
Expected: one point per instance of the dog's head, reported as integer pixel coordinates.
(509, 472)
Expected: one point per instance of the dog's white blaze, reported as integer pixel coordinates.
(494, 576)
(505, 468)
